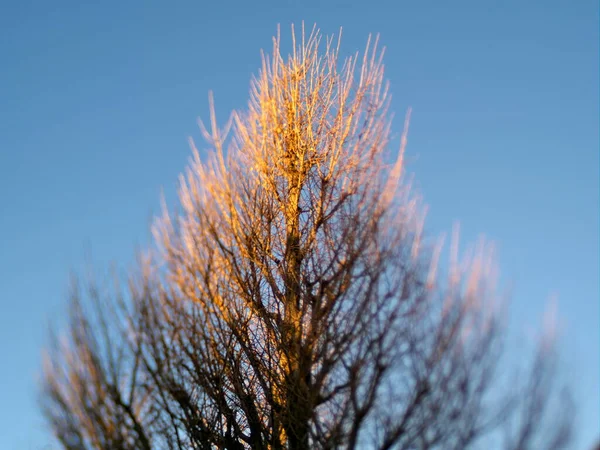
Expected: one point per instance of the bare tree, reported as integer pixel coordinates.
(293, 303)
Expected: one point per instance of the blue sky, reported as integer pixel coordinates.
(97, 100)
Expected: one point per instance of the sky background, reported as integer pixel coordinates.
(97, 100)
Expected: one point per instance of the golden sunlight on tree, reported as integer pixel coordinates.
(294, 302)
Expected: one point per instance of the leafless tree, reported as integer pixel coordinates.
(294, 303)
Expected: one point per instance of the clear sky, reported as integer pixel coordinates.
(97, 100)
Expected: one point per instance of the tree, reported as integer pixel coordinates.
(293, 303)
